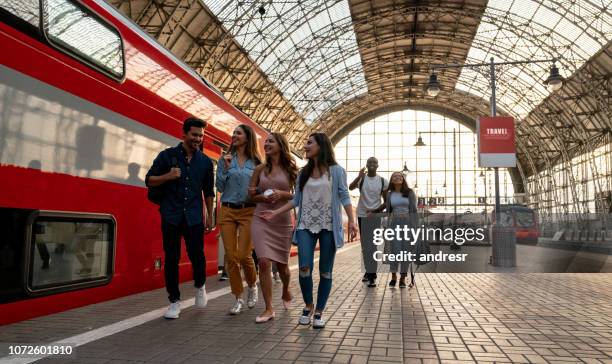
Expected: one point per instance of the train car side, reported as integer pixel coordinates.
(75, 140)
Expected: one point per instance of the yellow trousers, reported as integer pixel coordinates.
(236, 233)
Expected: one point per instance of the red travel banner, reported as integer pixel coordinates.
(496, 147)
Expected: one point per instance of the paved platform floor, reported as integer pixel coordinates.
(447, 317)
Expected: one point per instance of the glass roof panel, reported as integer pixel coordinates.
(308, 48)
(216, 5)
(523, 30)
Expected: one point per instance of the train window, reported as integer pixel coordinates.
(66, 251)
(78, 31)
(28, 10)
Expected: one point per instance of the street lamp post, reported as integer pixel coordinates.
(484, 177)
(554, 81)
(420, 143)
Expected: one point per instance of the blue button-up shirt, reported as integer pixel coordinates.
(183, 196)
(234, 182)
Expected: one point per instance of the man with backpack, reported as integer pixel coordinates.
(371, 188)
(176, 181)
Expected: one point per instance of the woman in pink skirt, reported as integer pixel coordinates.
(271, 187)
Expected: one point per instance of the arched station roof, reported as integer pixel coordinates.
(297, 66)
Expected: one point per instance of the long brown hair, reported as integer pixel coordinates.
(252, 149)
(325, 158)
(285, 160)
(404, 189)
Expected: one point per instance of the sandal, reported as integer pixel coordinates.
(264, 318)
(287, 304)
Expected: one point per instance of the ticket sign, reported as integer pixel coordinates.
(496, 146)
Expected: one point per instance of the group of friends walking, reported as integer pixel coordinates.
(399, 202)
(258, 196)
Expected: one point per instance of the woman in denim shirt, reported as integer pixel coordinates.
(234, 171)
(401, 206)
(320, 195)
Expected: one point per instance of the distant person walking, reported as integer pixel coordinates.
(271, 187)
(401, 206)
(320, 194)
(372, 189)
(183, 173)
(234, 171)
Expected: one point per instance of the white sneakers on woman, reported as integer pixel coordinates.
(251, 301)
(252, 297)
(317, 320)
(305, 318)
(237, 307)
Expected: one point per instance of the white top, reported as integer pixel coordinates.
(316, 205)
(370, 196)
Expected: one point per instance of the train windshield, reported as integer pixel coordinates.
(525, 218)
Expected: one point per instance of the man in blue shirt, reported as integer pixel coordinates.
(184, 173)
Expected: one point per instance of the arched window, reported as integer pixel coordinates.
(391, 138)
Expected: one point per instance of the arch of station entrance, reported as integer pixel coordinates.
(466, 120)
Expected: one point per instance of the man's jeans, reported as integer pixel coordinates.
(194, 241)
(366, 232)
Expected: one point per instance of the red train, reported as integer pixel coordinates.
(87, 100)
(522, 219)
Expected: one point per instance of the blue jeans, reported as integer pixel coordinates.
(306, 242)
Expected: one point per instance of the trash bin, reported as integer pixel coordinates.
(503, 243)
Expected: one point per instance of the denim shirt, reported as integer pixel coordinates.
(340, 197)
(234, 182)
(183, 196)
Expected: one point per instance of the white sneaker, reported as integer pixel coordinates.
(201, 300)
(252, 297)
(305, 318)
(318, 322)
(173, 310)
(237, 307)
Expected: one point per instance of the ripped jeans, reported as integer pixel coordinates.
(306, 242)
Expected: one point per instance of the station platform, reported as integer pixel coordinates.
(445, 318)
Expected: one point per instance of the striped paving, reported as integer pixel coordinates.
(446, 318)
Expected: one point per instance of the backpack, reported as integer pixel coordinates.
(382, 184)
(156, 194)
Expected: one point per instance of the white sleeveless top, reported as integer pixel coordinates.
(316, 212)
